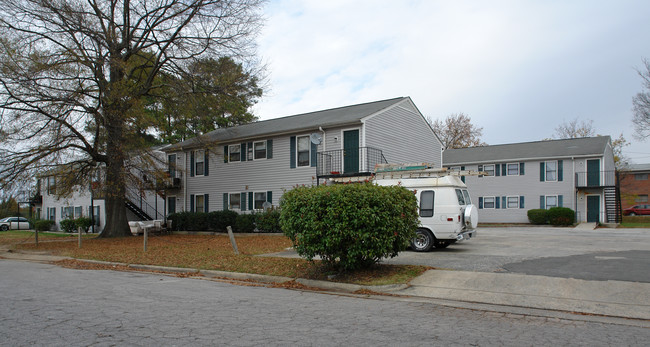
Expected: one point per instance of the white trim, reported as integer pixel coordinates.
(494, 202)
(266, 153)
(196, 205)
(196, 161)
(557, 167)
(557, 201)
(265, 199)
(507, 173)
(508, 202)
(308, 150)
(240, 153)
(361, 159)
(493, 170)
(229, 204)
(167, 203)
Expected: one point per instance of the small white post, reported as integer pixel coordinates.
(232, 239)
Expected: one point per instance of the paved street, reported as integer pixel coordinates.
(601, 254)
(47, 305)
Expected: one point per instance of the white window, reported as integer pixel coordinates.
(551, 171)
(234, 153)
(51, 185)
(234, 201)
(171, 165)
(199, 158)
(513, 201)
(67, 213)
(260, 150)
(304, 146)
(489, 170)
(488, 202)
(200, 203)
(551, 201)
(77, 212)
(641, 176)
(51, 213)
(641, 198)
(260, 199)
(513, 169)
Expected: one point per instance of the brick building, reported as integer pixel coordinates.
(635, 185)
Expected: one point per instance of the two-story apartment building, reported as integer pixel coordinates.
(248, 167)
(575, 173)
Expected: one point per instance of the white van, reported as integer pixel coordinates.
(447, 214)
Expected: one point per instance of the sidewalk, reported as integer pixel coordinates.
(604, 298)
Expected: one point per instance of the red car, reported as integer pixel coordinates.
(637, 210)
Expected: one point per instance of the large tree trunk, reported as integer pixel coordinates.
(116, 221)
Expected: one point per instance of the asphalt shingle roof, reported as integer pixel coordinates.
(306, 121)
(567, 148)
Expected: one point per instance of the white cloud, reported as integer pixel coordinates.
(518, 68)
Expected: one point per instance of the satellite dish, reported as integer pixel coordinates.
(267, 205)
(316, 138)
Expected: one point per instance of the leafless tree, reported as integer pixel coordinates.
(641, 103)
(73, 74)
(574, 129)
(457, 131)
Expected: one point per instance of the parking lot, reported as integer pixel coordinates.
(601, 254)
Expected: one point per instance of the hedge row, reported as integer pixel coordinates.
(218, 221)
(553, 216)
(71, 225)
(349, 226)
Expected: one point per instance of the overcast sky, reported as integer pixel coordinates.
(517, 68)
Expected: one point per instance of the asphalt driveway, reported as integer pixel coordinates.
(601, 254)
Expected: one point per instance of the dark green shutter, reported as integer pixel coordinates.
(559, 200)
(251, 154)
(269, 149)
(314, 155)
(521, 202)
(542, 172)
(269, 197)
(191, 163)
(292, 152)
(243, 153)
(480, 168)
(206, 164)
(225, 154)
(480, 202)
(521, 169)
(462, 178)
(242, 201)
(250, 201)
(497, 201)
(560, 171)
(542, 202)
(497, 170)
(504, 170)
(504, 202)
(206, 203)
(191, 202)
(225, 201)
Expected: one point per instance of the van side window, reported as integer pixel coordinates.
(468, 201)
(426, 203)
(461, 198)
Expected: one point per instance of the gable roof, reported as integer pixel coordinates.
(638, 167)
(566, 148)
(300, 122)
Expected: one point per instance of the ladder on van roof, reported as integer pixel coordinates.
(411, 170)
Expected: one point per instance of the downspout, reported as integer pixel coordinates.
(185, 182)
(575, 189)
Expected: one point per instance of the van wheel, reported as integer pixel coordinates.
(423, 240)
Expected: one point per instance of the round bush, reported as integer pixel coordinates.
(245, 223)
(537, 216)
(349, 226)
(68, 225)
(84, 223)
(269, 221)
(561, 216)
(43, 224)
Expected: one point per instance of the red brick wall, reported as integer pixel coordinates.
(632, 187)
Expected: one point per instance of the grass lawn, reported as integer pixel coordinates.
(214, 252)
(27, 236)
(635, 222)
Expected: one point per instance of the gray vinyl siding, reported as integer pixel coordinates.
(403, 135)
(528, 185)
(262, 175)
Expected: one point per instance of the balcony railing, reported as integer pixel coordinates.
(595, 179)
(349, 162)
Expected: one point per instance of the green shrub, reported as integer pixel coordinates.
(84, 223)
(43, 224)
(245, 223)
(269, 221)
(220, 220)
(537, 216)
(68, 225)
(349, 226)
(561, 216)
